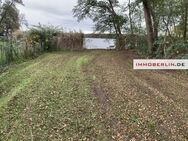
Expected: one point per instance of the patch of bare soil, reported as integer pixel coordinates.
(139, 105)
(100, 94)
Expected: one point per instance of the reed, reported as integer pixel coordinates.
(70, 41)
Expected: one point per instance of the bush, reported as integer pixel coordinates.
(18, 35)
(184, 56)
(177, 49)
(43, 35)
(120, 42)
(138, 43)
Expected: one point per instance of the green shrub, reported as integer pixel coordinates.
(43, 35)
(138, 43)
(184, 56)
(177, 49)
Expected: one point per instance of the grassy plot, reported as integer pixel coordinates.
(50, 100)
(92, 95)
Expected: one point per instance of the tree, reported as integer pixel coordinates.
(156, 13)
(10, 22)
(135, 17)
(103, 13)
(11, 2)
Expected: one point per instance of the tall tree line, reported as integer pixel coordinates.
(155, 18)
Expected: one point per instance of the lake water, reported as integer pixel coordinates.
(99, 43)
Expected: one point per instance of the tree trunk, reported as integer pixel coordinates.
(119, 38)
(130, 18)
(166, 23)
(117, 26)
(155, 30)
(155, 24)
(149, 27)
(185, 21)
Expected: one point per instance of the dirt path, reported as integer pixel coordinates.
(92, 96)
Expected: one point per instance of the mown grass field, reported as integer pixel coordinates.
(91, 95)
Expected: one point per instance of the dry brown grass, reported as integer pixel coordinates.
(70, 41)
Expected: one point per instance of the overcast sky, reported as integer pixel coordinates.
(55, 12)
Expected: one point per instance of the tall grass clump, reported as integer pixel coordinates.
(9, 51)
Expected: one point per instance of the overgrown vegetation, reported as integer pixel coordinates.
(12, 50)
(39, 39)
(44, 36)
(16, 50)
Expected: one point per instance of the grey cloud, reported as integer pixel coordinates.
(56, 12)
